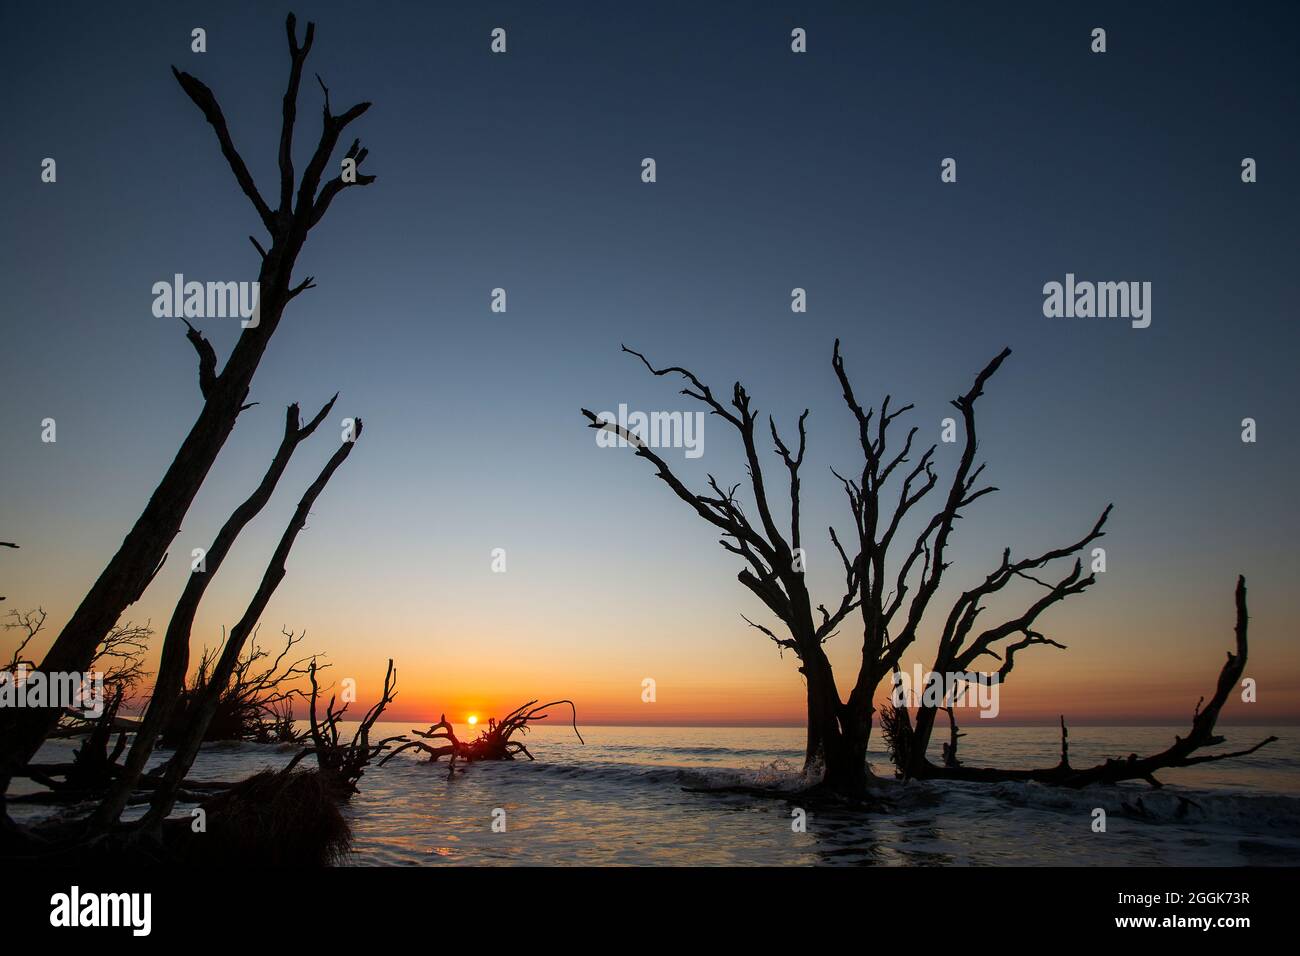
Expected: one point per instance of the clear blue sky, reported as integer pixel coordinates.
(774, 171)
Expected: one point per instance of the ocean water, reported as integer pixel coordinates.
(628, 796)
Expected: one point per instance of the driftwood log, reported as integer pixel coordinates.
(494, 743)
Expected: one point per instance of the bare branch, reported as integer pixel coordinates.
(336, 185)
(207, 102)
(297, 56)
(1183, 752)
(207, 358)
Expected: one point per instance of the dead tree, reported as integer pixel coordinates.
(839, 728)
(118, 660)
(893, 589)
(954, 738)
(253, 704)
(169, 685)
(224, 393)
(1183, 752)
(29, 624)
(883, 651)
(896, 587)
(442, 730)
(206, 705)
(774, 572)
(93, 766)
(960, 646)
(277, 725)
(344, 763)
(120, 657)
(494, 743)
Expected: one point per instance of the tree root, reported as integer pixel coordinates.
(274, 818)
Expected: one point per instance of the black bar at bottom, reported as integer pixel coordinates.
(386, 905)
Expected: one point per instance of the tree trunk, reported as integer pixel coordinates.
(23, 730)
(839, 732)
(846, 767)
(925, 718)
(123, 581)
(209, 697)
(175, 653)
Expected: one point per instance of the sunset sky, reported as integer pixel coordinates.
(522, 171)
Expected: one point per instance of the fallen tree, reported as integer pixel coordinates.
(93, 766)
(494, 743)
(907, 743)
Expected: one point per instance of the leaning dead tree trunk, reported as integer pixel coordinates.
(343, 764)
(1183, 752)
(225, 394)
(165, 796)
(494, 743)
(176, 645)
(891, 596)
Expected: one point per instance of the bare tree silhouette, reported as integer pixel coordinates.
(891, 586)
(256, 701)
(344, 763)
(494, 743)
(174, 662)
(224, 393)
(30, 623)
(909, 743)
(119, 659)
(209, 699)
(774, 574)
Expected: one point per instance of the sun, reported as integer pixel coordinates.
(473, 719)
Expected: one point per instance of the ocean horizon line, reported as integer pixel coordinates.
(1170, 722)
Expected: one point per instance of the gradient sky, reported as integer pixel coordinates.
(775, 171)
